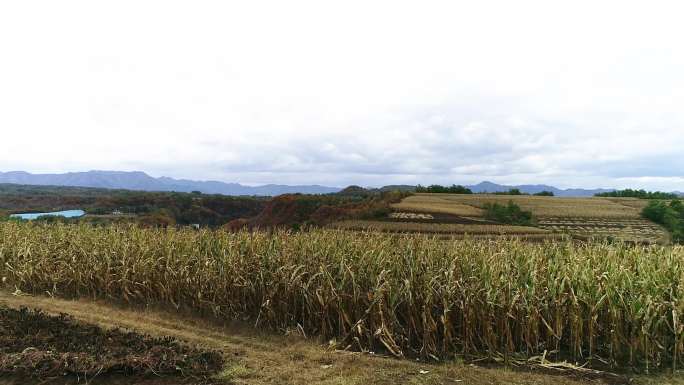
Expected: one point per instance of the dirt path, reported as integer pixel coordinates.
(259, 358)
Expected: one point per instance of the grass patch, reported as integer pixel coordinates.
(233, 372)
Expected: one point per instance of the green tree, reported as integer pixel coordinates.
(439, 189)
(671, 216)
(643, 194)
(510, 213)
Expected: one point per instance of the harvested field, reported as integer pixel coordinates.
(438, 228)
(582, 217)
(632, 229)
(434, 203)
(435, 218)
(34, 344)
(411, 216)
(539, 206)
(636, 203)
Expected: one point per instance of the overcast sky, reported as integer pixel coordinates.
(571, 93)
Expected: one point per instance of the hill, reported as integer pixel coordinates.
(458, 214)
(138, 180)
(147, 207)
(490, 187)
(535, 188)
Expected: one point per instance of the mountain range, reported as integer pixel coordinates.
(138, 180)
(536, 188)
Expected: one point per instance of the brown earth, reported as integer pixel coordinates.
(44, 347)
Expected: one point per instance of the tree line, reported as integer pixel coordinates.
(643, 194)
(459, 189)
(439, 189)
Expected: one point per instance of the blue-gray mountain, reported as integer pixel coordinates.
(536, 188)
(137, 180)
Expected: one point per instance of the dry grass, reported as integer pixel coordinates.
(407, 295)
(437, 228)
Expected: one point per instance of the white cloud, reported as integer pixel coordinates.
(576, 94)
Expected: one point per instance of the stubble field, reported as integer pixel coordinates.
(460, 214)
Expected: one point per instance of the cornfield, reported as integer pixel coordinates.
(410, 295)
(439, 228)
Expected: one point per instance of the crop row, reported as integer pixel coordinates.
(411, 295)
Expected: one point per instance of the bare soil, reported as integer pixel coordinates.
(38, 346)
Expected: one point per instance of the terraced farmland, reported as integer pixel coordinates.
(471, 205)
(462, 214)
(633, 229)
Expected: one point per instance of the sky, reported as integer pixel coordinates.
(569, 93)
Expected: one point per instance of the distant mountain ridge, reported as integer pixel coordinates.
(138, 180)
(536, 188)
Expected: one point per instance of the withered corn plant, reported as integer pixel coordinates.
(411, 295)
